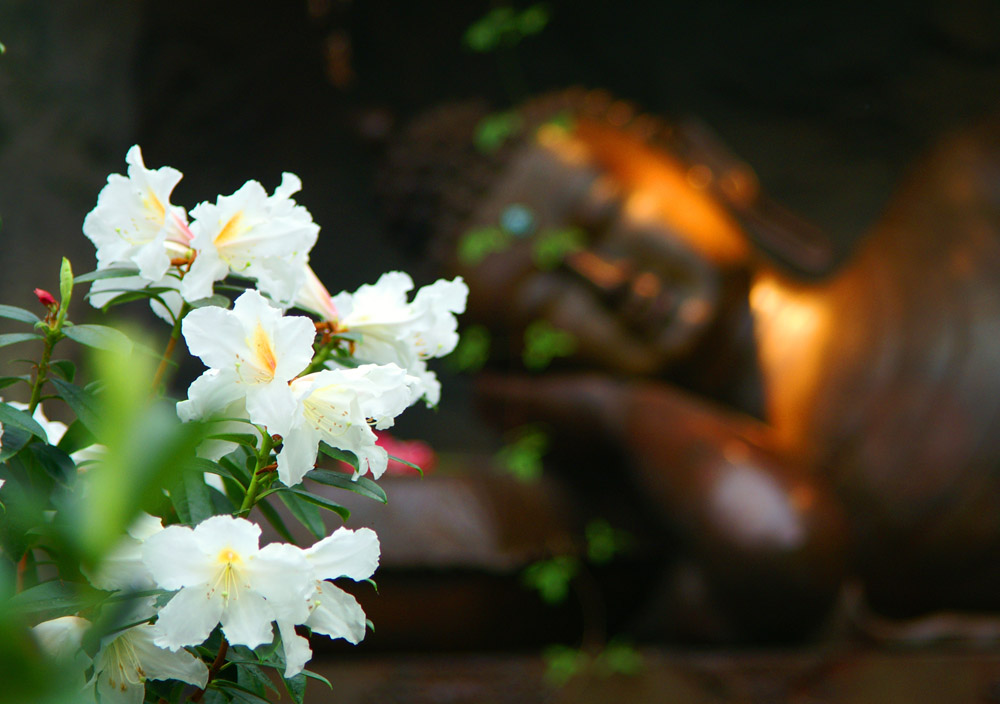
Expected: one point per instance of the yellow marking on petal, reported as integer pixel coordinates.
(230, 231)
(153, 203)
(229, 557)
(261, 346)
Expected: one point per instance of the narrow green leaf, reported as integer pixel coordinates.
(14, 440)
(14, 337)
(246, 439)
(238, 692)
(6, 381)
(316, 676)
(76, 437)
(83, 403)
(216, 300)
(64, 598)
(15, 313)
(296, 687)
(190, 497)
(322, 502)
(21, 419)
(100, 336)
(276, 521)
(306, 513)
(361, 485)
(406, 463)
(110, 273)
(65, 368)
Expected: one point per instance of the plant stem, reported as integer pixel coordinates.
(42, 374)
(214, 669)
(168, 352)
(263, 459)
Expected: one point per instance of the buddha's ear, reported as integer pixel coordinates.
(785, 239)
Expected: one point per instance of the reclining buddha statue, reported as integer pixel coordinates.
(792, 418)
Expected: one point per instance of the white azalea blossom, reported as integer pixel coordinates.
(134, 222)
(224, 577)
(251, 234)
(122, 567)
(394, 330)
(128, 658)
(335, 406)
(61, 639)
(252, 352)
(332, 611)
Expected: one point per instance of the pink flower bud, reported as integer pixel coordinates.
(46, 298)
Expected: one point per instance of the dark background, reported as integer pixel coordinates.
(829, 102)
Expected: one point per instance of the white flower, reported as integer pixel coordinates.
(123, 568)
(405, 333)
(129, 658)
(314, 297)
(224, 577)
(61, 639)
(336, 406)
(254, 235)
(332, 611)
(252, 352)
(134, 221)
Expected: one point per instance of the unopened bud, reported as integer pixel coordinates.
(46, 298)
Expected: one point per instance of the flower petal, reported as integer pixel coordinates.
(188, 618)
(345, 553)
(175, 559)
(297, 650)
(337, 614)
(246, 619)
(162, 664)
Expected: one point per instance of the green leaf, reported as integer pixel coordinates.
(405, 463)
(306, 513)
(65, 368)
(473, 350)
(76, 437)
(109, 273)
(190, 497)
(56, 598)
(543, 342)
(253, 677)
(276, 521)
(56, 463)
(246, 439)
(316, 676)
(296, 687)
(320, 501)
(100, 336)
(21, 419)
(6, 381)
(13, 338)
(15, 313)
(533, 20)
(83, 403)
(361, 485)
(14, 440)
(216, 300)
(479, 243)
(338, 454)
(552, 247)
(238, 692)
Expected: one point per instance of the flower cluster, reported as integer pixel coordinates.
(279, 387)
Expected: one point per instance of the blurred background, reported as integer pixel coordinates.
(491, 586)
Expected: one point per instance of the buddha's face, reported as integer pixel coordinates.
(604, 239)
